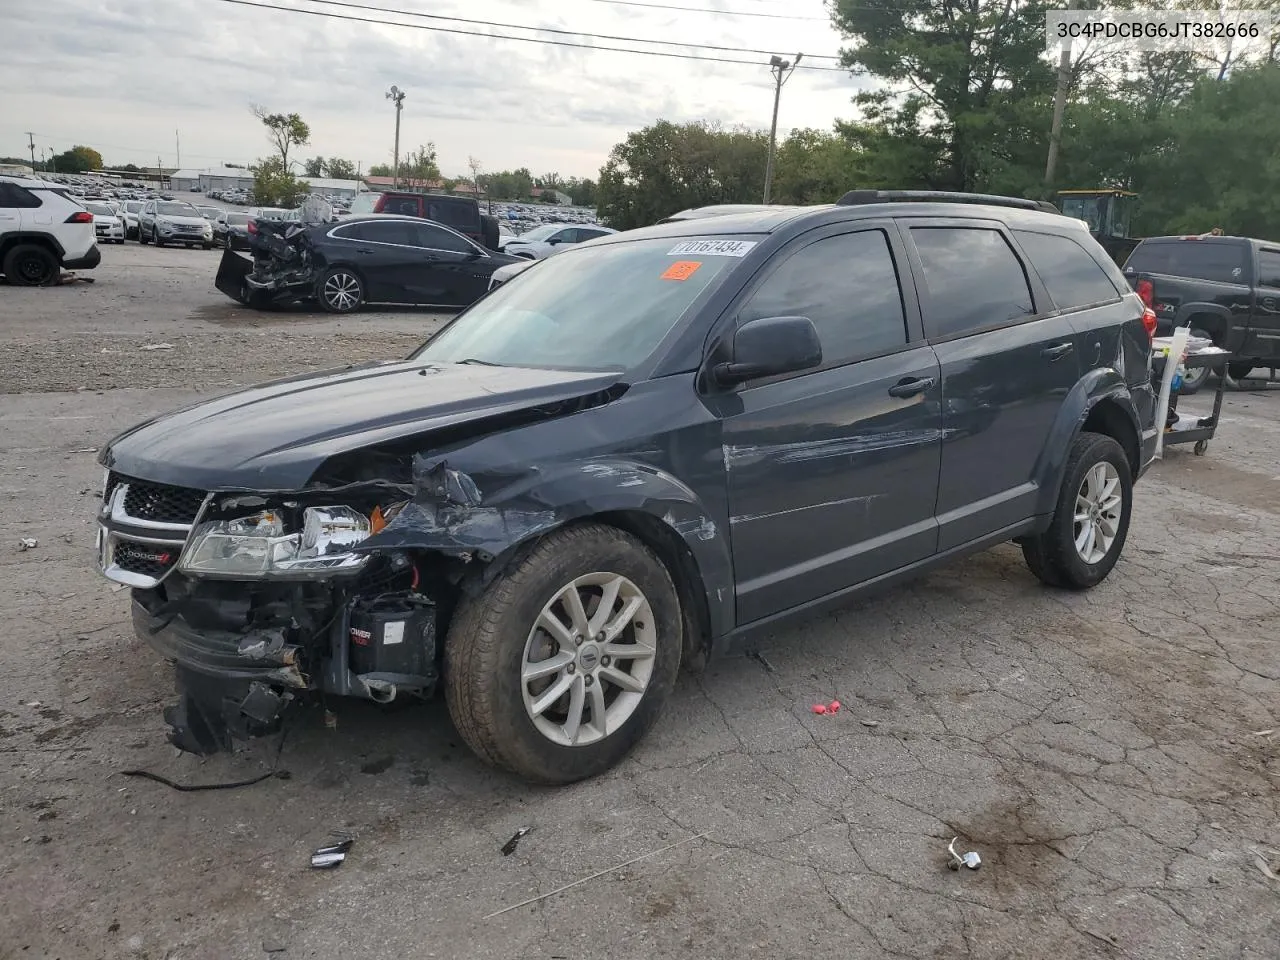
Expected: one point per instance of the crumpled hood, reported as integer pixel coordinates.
(275, 436)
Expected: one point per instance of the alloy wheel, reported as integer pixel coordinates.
(342, 291)
(588, 659)
(1099, 504)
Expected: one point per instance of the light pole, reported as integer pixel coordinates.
(781, 70)
(396, 96)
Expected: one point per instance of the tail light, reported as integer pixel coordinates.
(1146, 293)
(1149, 321)
(80, 216)
(251, 227)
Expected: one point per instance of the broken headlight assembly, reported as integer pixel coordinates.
(259, 545)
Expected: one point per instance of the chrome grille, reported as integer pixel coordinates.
(161, 503)
(144, 527)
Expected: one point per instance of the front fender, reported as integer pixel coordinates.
(488, 516)
(1094, 388)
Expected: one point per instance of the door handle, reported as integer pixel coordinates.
(911, 386)
(1057, 352)
(365, 253)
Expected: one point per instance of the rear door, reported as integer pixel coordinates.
(1008, 361)
(1263, 342)
(14, 201)
(384, 252)
(833, 473)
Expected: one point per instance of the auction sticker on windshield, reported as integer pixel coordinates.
(681, 270)
(713, 248)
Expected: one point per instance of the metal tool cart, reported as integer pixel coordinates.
(1199, 353)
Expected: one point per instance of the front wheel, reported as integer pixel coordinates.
(142, 237)
(30, 265)
(559, 668)
(155, 238)
(340, 290)
(1091, 521)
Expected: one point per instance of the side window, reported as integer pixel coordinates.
(973, 280)
(1072, 277)
(439, 239)
(848, 286)
(399, 232)
(585, 234)
(570, 235)
(13, 196)
(1269, 268)
(405, 206)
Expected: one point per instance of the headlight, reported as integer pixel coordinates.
(257, 545)
(166, 226)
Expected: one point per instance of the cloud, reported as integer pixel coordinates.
(124, 75)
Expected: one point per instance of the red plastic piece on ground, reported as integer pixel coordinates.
(835, 707)
(819, 708)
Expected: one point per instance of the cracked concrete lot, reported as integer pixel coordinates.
(1113, 756)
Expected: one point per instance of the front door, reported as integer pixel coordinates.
(450, 272)
(1007, 364)
(833, 473)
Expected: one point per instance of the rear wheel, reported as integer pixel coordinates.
(559, 668)
(1089, 526)
(155, 237)
(30, 265)
(142, 236)
(1239, 371)
(340, 290)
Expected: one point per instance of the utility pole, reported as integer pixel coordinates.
(781, 70)
(31, 140)
(396, 96)
(1059, 106)
(177, 146)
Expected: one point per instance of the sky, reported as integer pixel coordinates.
(142, 79)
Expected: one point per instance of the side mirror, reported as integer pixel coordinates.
(555, 240)
(768, 347)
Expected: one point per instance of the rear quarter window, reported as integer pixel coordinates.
(1070, 274)
(1196, 259)
(460, 216)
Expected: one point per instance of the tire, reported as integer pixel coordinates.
(1053, 556)
(155, 237)
(30, 265)
(190, 246)
(340, 290)
(142, 237)
(1240, 370)
(494, 637)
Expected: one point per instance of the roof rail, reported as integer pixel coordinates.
(858, 197)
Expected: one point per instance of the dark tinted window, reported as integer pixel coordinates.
(973, 280)
(402, 232)
(848, 286)
(585, 234)
(1198, 259)
(459, 214)
(405, 206)
(570, 235)
(1072, 276)
(441, 239)
(13, 196)
(1269, 268)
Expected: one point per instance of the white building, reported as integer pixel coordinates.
(326, 187)
(213, 178)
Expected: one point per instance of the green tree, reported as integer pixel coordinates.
(77, 160)
(340, 169)
(284, 131)
(968, 85)
(817, 167)
(275, 186)
(381, 170)
(667, 167)
(314, 167)
(582, 190)
(418, 168)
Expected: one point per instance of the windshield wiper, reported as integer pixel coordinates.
(482, 363)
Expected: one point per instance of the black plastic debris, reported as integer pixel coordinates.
(331, 856)
(509, 847)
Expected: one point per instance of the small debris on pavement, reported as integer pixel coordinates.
(69, 538)
(28, 543)
(332, 855)
(509, 847)
(156, 346)
(870, 723)
(970, 859)
(1264, 866)
(757, 656)
(833, 706)
(819, 708)
(273, 946)
(1264, 733)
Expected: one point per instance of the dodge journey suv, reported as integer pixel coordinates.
(638, 454)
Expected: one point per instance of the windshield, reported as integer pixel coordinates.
(540, 233)
(601, 308)
(133, 206)
(177, 210)
(101, 209)
(209, 211)
(365, 203)
(237, 219)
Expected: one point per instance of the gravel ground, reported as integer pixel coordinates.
(1113, 756)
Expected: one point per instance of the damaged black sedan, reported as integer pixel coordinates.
(342, 266)
(642, 452)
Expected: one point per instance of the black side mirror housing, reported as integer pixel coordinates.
(768, 347)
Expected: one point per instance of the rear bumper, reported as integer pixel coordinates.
(87, 262)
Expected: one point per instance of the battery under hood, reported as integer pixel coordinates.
(275, 436)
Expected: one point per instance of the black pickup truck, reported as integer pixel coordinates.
(1224, 288)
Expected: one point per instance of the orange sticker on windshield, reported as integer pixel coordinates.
(681, 270)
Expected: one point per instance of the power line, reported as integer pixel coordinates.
(722, 13)
(555, 30)
(499, 36)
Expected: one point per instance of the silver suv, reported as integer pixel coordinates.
(172, 221)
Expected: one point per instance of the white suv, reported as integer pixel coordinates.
(42, 229)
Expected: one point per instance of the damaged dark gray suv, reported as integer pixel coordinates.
(636, 455)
